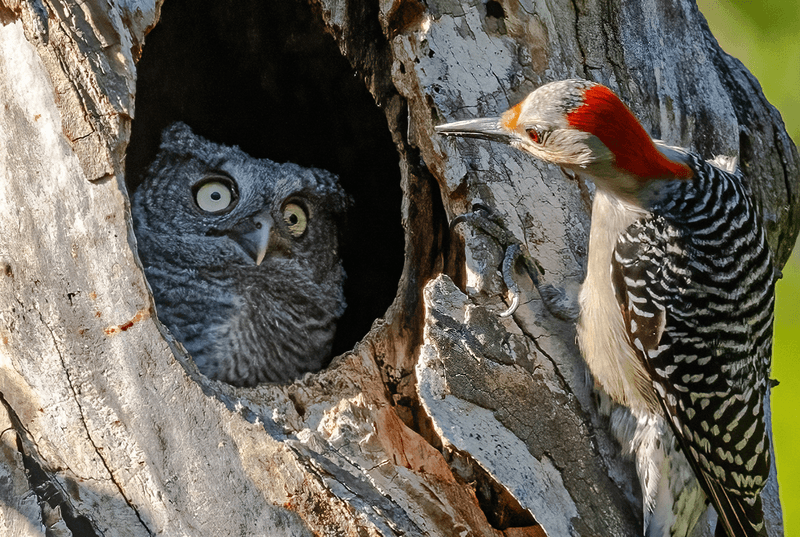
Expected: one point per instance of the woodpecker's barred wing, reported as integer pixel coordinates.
(696, 289)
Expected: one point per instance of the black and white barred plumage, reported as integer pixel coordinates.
(242, 257)
(675, 318)
(696, 283)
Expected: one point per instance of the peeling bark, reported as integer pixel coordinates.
(444, 419)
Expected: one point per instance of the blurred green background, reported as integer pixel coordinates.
(765, 36)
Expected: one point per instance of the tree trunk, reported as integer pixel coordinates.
(444, 419)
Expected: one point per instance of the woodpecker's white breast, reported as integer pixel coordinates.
(602, 334)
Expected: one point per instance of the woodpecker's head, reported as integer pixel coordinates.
(582, 126)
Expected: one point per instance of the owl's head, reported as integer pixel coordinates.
(207, 206)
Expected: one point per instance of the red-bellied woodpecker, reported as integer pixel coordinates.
(676, 309)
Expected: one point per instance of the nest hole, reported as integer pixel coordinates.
(267, 77)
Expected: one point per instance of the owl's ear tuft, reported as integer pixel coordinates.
(327, 185)
(176, 139)
(175, 133)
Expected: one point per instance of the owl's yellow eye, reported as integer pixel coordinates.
(296, 219)
(214, 196)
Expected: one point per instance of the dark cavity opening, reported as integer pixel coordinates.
(495, 9)
(267, 77)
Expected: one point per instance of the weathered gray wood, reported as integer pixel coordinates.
(106, 427)
(479, 59)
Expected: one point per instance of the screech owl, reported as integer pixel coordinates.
(242, 257)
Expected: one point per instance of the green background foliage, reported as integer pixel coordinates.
(765, 36)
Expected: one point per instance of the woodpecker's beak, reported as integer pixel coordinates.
(253, 235)
(486, 128)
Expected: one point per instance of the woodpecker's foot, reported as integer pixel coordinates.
(559, 303)
(555, 299)
(491, 223)
(488, 221)
(516, 254)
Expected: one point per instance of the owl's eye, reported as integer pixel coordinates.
(215, 195)
(296, 219)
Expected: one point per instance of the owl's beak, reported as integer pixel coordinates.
(261, 236)
(254, 239)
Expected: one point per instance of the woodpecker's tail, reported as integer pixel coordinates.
(738, 516)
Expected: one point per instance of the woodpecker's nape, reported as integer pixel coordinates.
(676, 308)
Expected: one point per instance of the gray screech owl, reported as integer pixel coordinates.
(242, 256)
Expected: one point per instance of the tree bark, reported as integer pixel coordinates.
(444, 419)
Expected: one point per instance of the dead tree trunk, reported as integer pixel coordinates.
(443, 419)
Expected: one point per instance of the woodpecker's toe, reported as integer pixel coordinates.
(512, 254)
(555, 299)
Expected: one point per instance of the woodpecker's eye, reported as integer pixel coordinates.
(296, 219)
(215, 194)
(535, 136)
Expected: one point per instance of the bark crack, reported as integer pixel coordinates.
(787, 183)
(82, 414)
(607, 39)
(577, 36)
(564, 385)
(779, 143)
(53, 502)
(359, 486)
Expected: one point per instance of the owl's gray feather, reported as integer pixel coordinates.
(241, 321)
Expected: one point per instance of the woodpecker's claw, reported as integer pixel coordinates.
(491, 223)
(513, 307)
(513, 253)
